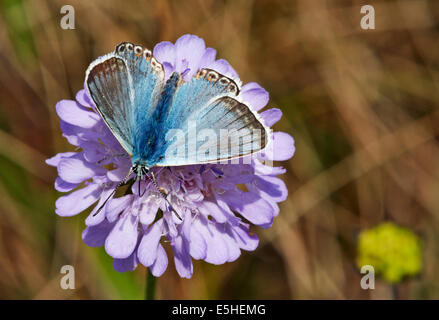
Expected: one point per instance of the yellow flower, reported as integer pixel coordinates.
(394, 252)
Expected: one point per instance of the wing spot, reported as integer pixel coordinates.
(203, 73)
(232, 87)
(212, 76)
(228, 83)
(147, 54)
(120, 48)
(224, 81)
(138, 50)
(130, 46)
(155, 64)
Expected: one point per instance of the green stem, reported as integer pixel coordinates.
(151, 283)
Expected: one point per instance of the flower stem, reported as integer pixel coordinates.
(151, 282)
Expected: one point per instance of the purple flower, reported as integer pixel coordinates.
(216, 213)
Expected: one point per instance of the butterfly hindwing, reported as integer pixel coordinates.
(240, 131)
(192, 96)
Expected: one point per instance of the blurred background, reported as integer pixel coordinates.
(362, 106)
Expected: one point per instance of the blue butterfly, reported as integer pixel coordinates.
(129, 91)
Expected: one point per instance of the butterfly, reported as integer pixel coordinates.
(129, 91)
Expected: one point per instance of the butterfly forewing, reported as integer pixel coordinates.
(110, 86)
(125, 86)
(147, 75)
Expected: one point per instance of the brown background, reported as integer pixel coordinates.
(361, 105)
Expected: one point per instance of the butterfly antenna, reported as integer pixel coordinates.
(114, 191)
(163, 193)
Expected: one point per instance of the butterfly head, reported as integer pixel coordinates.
(139, 169)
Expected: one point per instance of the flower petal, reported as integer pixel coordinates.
(118, 174)
(71, 112)
(182, 258)
(271, 116)
(63, 186)
(217, 252)
(165, 52)
(93, 151)
(95, 236)
(180, 245)
(249, 86)
(207, 58)
(269, 187)
(161, 263)
(250, 206)
(245, 240)
(148, 210)
(56, 159)
(189, 51)
(127, 264)
(147, 251)
(221, 66)
(77, 201)
(77, 171)
(122, 240)
(282, 148)
(261, 169)
(209, 208)
(83, 98)
(232, 246)
(116, 206)
(257, 97)
(96, 217)
(198, 246)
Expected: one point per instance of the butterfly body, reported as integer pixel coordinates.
(140, 108)
(148, 140)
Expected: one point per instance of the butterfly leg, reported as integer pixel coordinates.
(114, 191)
(143, 172)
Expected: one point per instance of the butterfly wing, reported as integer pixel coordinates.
(147, 75)
(207, 123)
(111, 87)
(125, 86)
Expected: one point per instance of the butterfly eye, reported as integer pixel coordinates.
(138, 50)
(147, 54)
(130, 47)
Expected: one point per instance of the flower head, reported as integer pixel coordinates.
(394, 252)
(135, 227)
